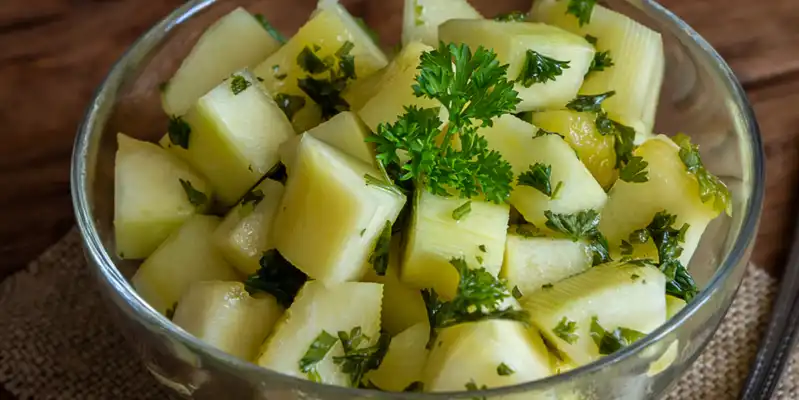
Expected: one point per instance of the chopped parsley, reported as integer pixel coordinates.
(582, 225)
(252, 198)
(363, 231)
(277, 277)
(566, 330)
(471, 386)
(473, 87)
(591, 39)
(667, 240)
(310, 62)
(529, 231)
(710, 186)
(504, 370)
(269, 28)
(326, 91)
(479, 259)
(581, 9)
(316, 352)
(462, 210)
(624, 135)
(538, 68)
(277, 173)
(626, 248)
(589, 103)
(479, 297)
(601, 62)
(517, 294)
(547, 286)
(538, 177)
(635, 277)
(358, 360)
(290, 104)
(415, 386)
(543, 132)
(610, 342)
(513, 16)
(178, 131)
(380, 254)
(482, 248)
(635, 170)
(196, 197)
(170, 312)
(239, 84)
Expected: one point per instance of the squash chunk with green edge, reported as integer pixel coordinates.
(670, 187)
(532, 262)
(443, 228)
(618, 295)
(345, 131)
(547, 63)
(579, 131)
(421, 18)
(314, 51)
(478, 351)
(234, 42)
(246, 232)
(332, 213)
(315, 310)
(233, 138)
(572, 186)
(396, 90)
(188, 255)
(403, 306)
(637, 55)
(225, 316)
(404, 361)
(154, 193)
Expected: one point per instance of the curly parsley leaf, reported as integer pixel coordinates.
(711, 188)
(326, 91)
(504, 370)
(513, 16)
(270, 28)
(566, 329)
(538, 177)
(316, 352)
(196, 197)
(589, 103)
(277, 277)
(591, 39)
(635, 170)
(462, 210)
(609, 342)
(358, 360)
(601, 62)
(667, 240)
(178, 131)
(581, 225)
(581, 9)
(239, 84)
(538, 68)
(380, 254)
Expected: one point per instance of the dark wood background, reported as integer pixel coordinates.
(54, 53)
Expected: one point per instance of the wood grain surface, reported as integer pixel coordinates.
(54, 55)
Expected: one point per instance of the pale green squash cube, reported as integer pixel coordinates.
(150, 201)
(225, 316)
(404, 360)
(330, 218)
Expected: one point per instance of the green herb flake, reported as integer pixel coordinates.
(543, 132)
(547, 286)
(538, 68)
(538, 177)
(529, 231)
(276, 276)
(513, 16)
(310, 62)
(482, 248)
(504, 370)
(635, 170)
(363, 231)
(196, 197)
(634, 277)
(253, 197)
(711, 188)
(591, 39)
(380, 254)
(290, 104)
(471, 386)
(269, 28)
(589, 103)
(326, 91)
(566, 330)
(609, 342)
(170, 312)
(516, 292)
(316, 352)
(178, 131)
(601, 62)
(667, 240)
(626, 248)
(462, 210)
(239, 84)
(581, 9)
(582, 225)
(358, 360)
(479, 259)
(415, 386)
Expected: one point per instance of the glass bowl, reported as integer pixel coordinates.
(700, 96)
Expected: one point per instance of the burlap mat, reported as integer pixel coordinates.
(56, 342)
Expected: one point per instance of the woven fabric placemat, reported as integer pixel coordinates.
(56, 341)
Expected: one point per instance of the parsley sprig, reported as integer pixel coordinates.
(316, 352)
(538, 176)
(538, 68)
(566, 329)
(277, 277)
(474, 89)
(710, 186)
(624, 136)
(609, 342)
(358, 360)
(581, 9)
(635, 170)
(326, 91)
(581, 225)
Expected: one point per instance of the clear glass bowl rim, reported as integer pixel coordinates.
(102, 261)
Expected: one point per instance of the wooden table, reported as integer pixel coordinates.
(54, 55)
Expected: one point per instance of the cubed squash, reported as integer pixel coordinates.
(345, 131)
(357, 93)
(422, 18)
(225, 316)
(246, 232)
(637, 54)
(474, 352)
(328, 29)
(579, 130)
(514, 44)
(579, 191)
(670, 188)
(235, 132)
(532, 262)
(435, 237)
(234, 42)
(188, 255)
(318, 309)
(154, 193)
(618, 295)
(404, 360)
(330, 217)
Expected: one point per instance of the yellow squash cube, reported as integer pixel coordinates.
(404, 360)
(150, 200)
(421, 18)
(330, 217)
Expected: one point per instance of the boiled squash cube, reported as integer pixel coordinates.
(421, 18)
(404, 360)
